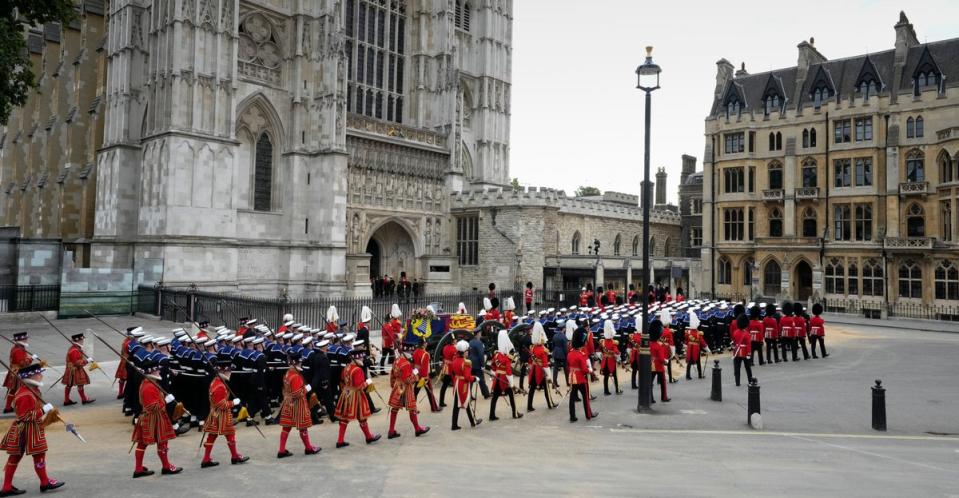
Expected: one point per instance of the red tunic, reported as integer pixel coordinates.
(389, 332)
(294, 409)
(528, 297)
(590, 347)
(331, 327)
(352, 404)
(742, 345)
(771, 328)
(610, 353)
(492, 314)
(449, 354)
(19, 358)
(680, 298)
(402, 381)
(507, 318)
(584, 299)
(462, 372)
(668, 336)
(799, 325)
(421, 360)
(658, 353)
(154, 425)
(538, 361)
(220, 419)
(74, 374)
(786, 324)
(122, 366)
(635, 340)
(695, 344)
(502, 370)
(578, 366)
(817, 326)
(26, 436)
(756, 331)
(611, 297)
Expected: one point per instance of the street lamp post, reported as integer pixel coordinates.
(648, 81)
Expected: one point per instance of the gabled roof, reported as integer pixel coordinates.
(868, 72)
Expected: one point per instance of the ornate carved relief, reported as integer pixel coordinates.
(392, 158)
(379, 189)
(260, 55)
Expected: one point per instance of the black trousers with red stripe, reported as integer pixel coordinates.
(578, 389)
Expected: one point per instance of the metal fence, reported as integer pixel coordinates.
(185, 305)
(19, 298)
(873, 309)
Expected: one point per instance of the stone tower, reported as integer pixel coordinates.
(661, 187)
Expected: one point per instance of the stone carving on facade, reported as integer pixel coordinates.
(186, 10)
(207, 14)
(260, 54)
(226, 16)
(429, 233)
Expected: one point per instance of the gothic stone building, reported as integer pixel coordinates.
(837, 179)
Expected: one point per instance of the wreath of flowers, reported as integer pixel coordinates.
(423, 314)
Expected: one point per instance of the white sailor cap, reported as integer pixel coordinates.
(186, 339)
(307, 340)
(573, 308)
(349, 337)
(145, 339)
(562, 310)
(615, 316)
(249, 339)
(237, 339)
(258, 340)
(209, 343)
(163, 341)
(359, 342)
(297, 336)
(220, 327)
(329, 335)
(296, 325)
(531, 312)
(251, 321)
(551, 310)
(322, 344)
(267, 334)
(542, 313)
(178, 332)
(288, 323)
(288, 335)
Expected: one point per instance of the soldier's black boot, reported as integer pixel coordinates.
(492, 406)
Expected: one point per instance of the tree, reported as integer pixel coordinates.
(514, 183)
(585, 191)
(15, 17)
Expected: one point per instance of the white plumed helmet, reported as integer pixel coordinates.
(608, 330)
(462, 309)
(503, 344)
(570, 328)
(539, 334)
(462, 346)
(693, 320)
(366, 314)
(487, 304)
(332, 315)
(395, 311)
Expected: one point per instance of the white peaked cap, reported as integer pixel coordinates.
(693, 320)
(395, 311)
(538, 334)
(349, 337)
(307, 340)
(461, 309)
(666, 317)
(509, 304)
(462, 346)
(487, 304)
(570, 328)
(608, 330)
(366, 314)
(503, 344)
(332, 315)
(297, 336)
(288, 317)
(431, 308)
(237, 339)
(323, 343)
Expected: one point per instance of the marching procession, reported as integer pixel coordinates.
(213, 378)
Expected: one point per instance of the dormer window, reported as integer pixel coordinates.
(867, 89)
(820, 96)
(771, 103)
(927, 74)
(734, 102)
(733, 109)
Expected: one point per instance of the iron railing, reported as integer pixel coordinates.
(874, 309)
(20, 298)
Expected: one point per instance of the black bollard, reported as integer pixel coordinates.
(878, 406)
(717, 392)
(753, 399)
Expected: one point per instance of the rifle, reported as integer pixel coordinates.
(105, 323)
(93, 364)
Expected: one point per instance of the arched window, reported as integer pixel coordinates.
(910, 280)
(873, 283)
(772, 141)
(812, 137)
(915, 167)
(809, 223)
(652, 246)
(772, 278)
(666, 248)
(775, 223)
(574, 249)
(910, 128)
(636, 245)
(263, 174)
(779, 141)
(947, 281)
(835, 277)
(617, 242)
(809, 173)
(852, 279)
(724, 271)
(805, 137)
(775, 175)
(920, 127)
(945, 218)
(915, 221)
(463, 13)
(748, 272)
(946, 173)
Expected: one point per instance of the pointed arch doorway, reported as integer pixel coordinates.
(803, 280)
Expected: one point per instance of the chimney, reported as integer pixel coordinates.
(689, 167)
(724, 73)
(661, 187)
(808, 55)
(742, 71)
(905, 38)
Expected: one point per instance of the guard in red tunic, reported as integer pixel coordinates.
(121, 373)
(502, 364)
(462, 372)
(579, 371)
(741, 348)
(610, 351)
(670, 340)
(787, 335)
(153, 425)
(635, 340)
(540, 374)
(491, 307)
(756, 334)
(403, 379)
(421, 362)
(74, 374)
(771, 333)
(353, 404)
(659, 355)
(295, 409)
(817, 331)
(584, 298)
(19, 358)
(508, 313)
(220, 420)
(26, 435)
(528, 297)
(446, 372)
(390, 333)
(800, 325)
(695, 344)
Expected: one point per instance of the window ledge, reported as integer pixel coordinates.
(254, 211)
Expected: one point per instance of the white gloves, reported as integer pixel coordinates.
(236, 401)
(169, 398)
(416, 371)
(308, 388)
(369, 381)
(89, 359)
(46, 408)
(35, 357)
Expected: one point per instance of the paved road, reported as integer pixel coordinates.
(817, 440)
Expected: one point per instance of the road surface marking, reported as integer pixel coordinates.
(789, 434)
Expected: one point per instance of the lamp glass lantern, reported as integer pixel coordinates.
(647, 74)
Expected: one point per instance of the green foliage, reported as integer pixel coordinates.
(586, 191)
(514, 183)
(16, 72)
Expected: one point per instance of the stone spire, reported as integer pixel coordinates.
(661, 187)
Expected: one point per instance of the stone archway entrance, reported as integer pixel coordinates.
(803, 280)
(392, 252)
